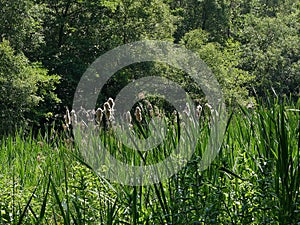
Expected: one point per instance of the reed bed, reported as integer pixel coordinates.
(254, 180)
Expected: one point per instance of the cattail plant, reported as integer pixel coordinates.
(150, 109)
(73, 117)
(112, 109)
(128, 117)
(138, 114)
(207, 105)
(67, 118)
(175, 116)
(107, 110)
(99, 115)
(198, 111)
(156, 111)
(111, 103)
(187, 110)
(90, 115)
(141, 95)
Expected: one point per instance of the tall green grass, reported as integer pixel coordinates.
(254, 180)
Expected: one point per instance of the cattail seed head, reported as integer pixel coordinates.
(128, 117)
(99, 115)
(38, 158)
(111, 103)
(250, 105)
(174, 114)
(141, 95)
(73, 117)
(208, 106)
(107, 110)
(138, 114)
(41, 144)
(156, 111)
(187, 110)
(67, 117)
(150, 109)
(149, 105)
(151, 113)
(64, 127)
(90, 115)
(106, 106)
(198, 111)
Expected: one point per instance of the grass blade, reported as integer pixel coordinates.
(27, 206)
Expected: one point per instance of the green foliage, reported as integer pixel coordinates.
(24, 87)
(77, 32)
(267, 34)
(254, 179)
(252, 46)
(271, 53)
(212, 16)
(21, 25)
(224, 63)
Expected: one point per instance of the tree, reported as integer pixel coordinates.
(25, 87)
(212, 16)
(271, 50)
(224, 63)
(77, 32)
(21, 24)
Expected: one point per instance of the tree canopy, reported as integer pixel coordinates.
(251, 46)
(27, 90)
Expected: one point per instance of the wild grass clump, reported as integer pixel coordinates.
(254, 180)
